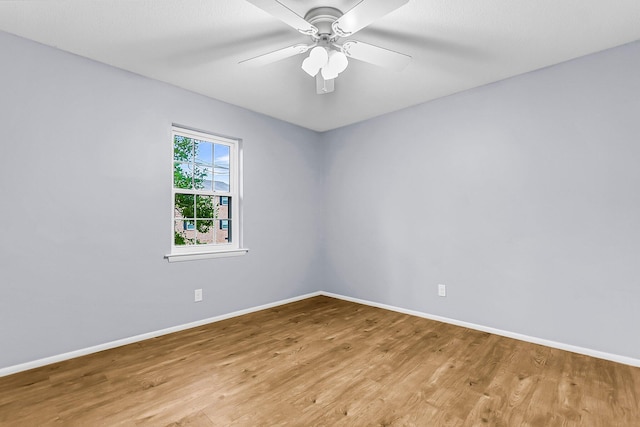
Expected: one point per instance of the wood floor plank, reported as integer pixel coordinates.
(325, 362)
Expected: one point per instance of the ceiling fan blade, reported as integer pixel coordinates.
(363, 14)
(277, 55)
(286, 15)
(375, 55)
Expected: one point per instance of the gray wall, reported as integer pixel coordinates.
(85, 177)
(523, 197)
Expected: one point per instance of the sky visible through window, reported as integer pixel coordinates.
(216, 156)
(206, 162)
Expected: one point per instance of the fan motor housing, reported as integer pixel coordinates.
(322, 18)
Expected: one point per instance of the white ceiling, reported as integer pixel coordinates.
(197, 44)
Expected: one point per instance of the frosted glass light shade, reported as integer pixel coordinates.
(336, 64)
(338, 61)
(328, 73)
(309, 67)
(317, 59)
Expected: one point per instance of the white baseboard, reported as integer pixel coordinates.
(106, 346)
(548, 343)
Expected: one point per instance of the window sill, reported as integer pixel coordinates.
(192, 256)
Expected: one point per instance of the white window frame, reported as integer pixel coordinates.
(216, 250)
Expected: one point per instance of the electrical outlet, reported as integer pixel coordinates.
(442, 290)
(197, 295)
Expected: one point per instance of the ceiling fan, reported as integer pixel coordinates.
(326, 26)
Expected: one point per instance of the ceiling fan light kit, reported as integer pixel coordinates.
(325, 25)
(327, 61)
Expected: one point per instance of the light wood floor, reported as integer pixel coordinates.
(325, 362)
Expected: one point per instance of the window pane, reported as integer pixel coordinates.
(205, 207)
(205, 167)
(184, 232)
(204, 153)
(183, 148)
(182, 174)
(184, 206)
(205, 232)
(202, 178)
(221, 167)
(224, 207)
(223, 231)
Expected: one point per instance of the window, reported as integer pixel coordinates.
(205, 191)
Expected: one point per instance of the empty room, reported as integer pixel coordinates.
(320, 213)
